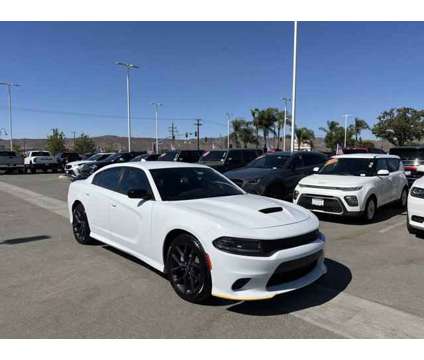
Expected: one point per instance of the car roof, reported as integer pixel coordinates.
(157, 165)
(366, 156)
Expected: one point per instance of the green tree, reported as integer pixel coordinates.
(255, 122)
(243, 132)
(358, 126)
(17, 148)
(304, 135)
(334, 134)
(84, 144)
(56, 142)
(400, 126)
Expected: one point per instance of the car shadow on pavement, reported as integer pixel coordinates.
(328, 287)
(23, 240)
(384, 213)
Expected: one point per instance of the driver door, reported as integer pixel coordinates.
(385, 184)
(130, 219)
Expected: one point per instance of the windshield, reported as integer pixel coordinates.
(348, 166)
(214, 156)
(269, 161)
(191, 183)
(40, 153)
(97, 157)
(169, 156)
(408, 154)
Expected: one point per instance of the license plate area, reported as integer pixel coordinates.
(317, 202)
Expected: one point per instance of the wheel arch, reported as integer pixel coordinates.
(173, 234)
(74, 205)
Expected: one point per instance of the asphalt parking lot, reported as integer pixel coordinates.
(50, 286)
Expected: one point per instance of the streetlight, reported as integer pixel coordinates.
(156, 106)
(128, 67)
(286, 102)
(345, 128)
(293, 112)
(9, 91)
(229, 116)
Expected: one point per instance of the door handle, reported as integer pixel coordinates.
(114, 205)
(87, 194)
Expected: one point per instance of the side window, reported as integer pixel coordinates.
(249, 156)
(108, 179)
(311, 159)
(235, 156)
(299, 162)
(381, 164)
(134, 179)
(393, 164)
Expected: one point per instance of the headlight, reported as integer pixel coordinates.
(254, 181)
(351, 200)
(356, 188)
(295, 194)
(239, 246)
(417, 192)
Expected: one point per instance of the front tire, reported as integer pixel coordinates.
(403, 198)
(188, 270)
(370, 210)
(80, 226)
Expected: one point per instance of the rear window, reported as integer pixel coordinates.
(7, 153)
(40, 153)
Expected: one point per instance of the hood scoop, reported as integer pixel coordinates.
(271, 210)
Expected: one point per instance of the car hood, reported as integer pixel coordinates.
(248, 173)
(80, 162)
(244, 211)
(342, 181)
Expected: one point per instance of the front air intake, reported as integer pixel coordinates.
(271, 210)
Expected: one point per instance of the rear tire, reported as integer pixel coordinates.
(370, 209)
(80, 226)
(188, 270)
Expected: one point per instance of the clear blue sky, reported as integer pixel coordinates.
(204, 70)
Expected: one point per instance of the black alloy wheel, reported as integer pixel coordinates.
(187, 269)
(80, 225)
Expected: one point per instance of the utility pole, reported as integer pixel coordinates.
(345, 128)
(156, 106)
(73, 133)
(9, 92)
(128, 67)
(198, 124)
(172, 130)
(293, 112)
(229, 116)
(286, 102)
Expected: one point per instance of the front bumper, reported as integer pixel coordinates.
(416, 212)
(228, 268)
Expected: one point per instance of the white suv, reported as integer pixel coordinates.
(415, 219)
(356, 184)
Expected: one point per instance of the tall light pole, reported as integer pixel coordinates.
(156, 106)
(286, 102)
(345, 128)
(229, 116)
(128, 67)
(293, 112)
(9, 91)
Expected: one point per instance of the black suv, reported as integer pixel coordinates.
(225, 160)
(65, 157)
(411, 156)
(188, 156)
(116, 158)
(276, 174)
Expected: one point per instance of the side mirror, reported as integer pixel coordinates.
(139, 194)
(315, 169)
(420, 168)
(382, 172)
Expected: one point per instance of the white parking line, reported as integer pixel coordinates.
(56, 206)
(346, 315)
(390, 227)
(353, 317)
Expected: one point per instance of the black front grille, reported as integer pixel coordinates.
(271, 246)
(293, 270)
(331, 204)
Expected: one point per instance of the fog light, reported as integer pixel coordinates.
(238, 284)
(351, 200)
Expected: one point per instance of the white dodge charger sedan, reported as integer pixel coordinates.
(203, 231)
(355, 185)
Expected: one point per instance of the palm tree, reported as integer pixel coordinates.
(255, 112)
(304, 135)
(237, 124)
(358, 126)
